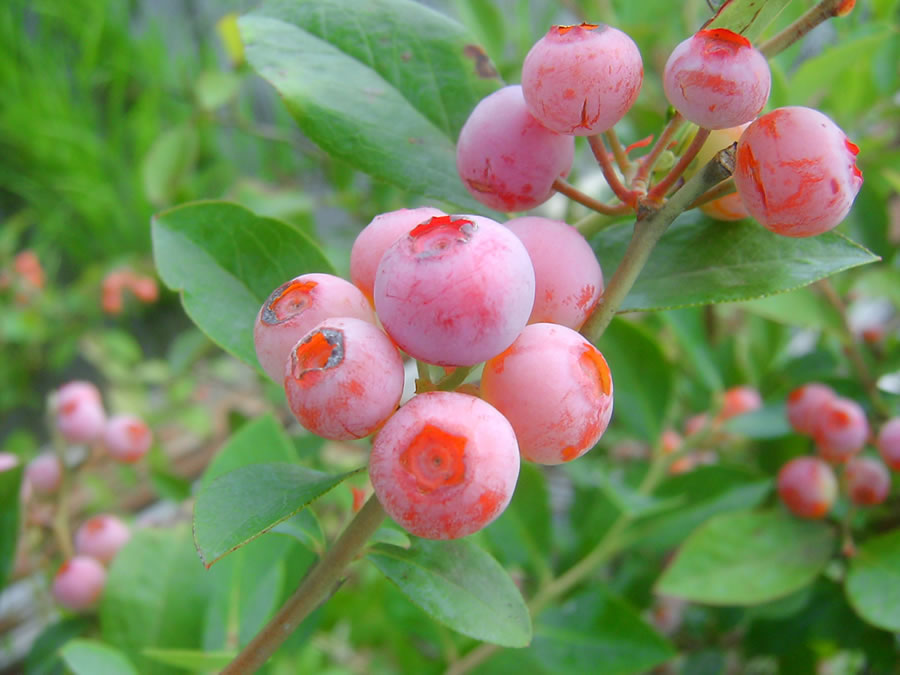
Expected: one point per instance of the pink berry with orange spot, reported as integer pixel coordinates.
(294, 308)
(555, 389)
(717, 79)
(738, 401)
(841, 430)
(868, 481)
(796, 172)
(376, 238)
(805, 405)
(79, 412)
(581, 80)
(506, 158)
(456, 290)
(101, 537)
(127, 438)
(44, 473)
(889, 443)
(343, 379)
(567, 277)
(79, 582)
(807, 486)
(445, 465)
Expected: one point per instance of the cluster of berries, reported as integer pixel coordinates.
(114, 285)
(808, 485)
(26, 277)
(450, 291)
(796, 170)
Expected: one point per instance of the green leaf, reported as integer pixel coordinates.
(799, 308)
(747, 17)
(597, 632)
(226, 261)
(383, 85)
(215, 88)
(770, 421)
(155, 596)
(10, 485)
(698, 262)
(167, 163)
(873, 583)
(90, 657)
(305, 528)
(189, 659)
(44, 657)
(747, 558)
(640, 399)
(689, 328)
(460, 585)
(243, 504)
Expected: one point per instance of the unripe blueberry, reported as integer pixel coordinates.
(581, 80)
(145, 289)
(506, 158)
(805, 405)
(79, 412)
(44, 473)
(889, 443)
(717, 79)
(127, 438)
(376, 238)
(796, 172)
(343, 379)
(568, 280)
(445, 465)
(294, 308)
(841, 430)
(739, 400)
(101, 537)
(868, 481)
(456, 290)
(697, 423)
(555, 389)
(807, 486)
(79, 583)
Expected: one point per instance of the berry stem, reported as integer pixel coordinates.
(618, 152)
(423, 381)
(649, 160)
(658, 193)
(817, 14)
(577, 195)
(726, 187)
(650, 226)
(312, 590)
(627, 196)
(454, 379)
(593, 223)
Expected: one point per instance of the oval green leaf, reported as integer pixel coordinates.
(747, 17)
(245, 503)
(748, 558)
(873, 583)
(225, 261)
(460, 585)
(89, 657)
(192, 660)
(10, 482)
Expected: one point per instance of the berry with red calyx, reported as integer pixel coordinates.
(555, 389)
(506, 158)
(868, 481)
(44, 473)
(889, 443)
(805, 405)
(295, 308)
(796, 172)
(581, 80)
(717, 79)
(79, 412)
(568, 279)
(445, 465)
(79, 582)
(127, 438)
(738, 401)
(343, 379)
(101, 537)
(807, 486)
(841, 430)
(455, 291)
(376, 238)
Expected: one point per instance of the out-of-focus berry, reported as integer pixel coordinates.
(44, 473)
(101, 537)
(127, 438)
(868, 481)
(807, 486)
(79, 412)
(805, 406)
(889, 443)
(841, 430)
(79, 583)
(738, 401)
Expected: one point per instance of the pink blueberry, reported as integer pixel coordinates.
(805, 405)
(868, 481)
(295, 307)
(506, 158)
(445, 465)
(807, 486)
(79, 412)
(343, 379)
(581, 80)
(555, 389)
(127, 438)
(101, 537)
(738, 401)
(567, 277)
(79, 583)
(889, 443)
(841, 430)
(44, 473)
(455, 291)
